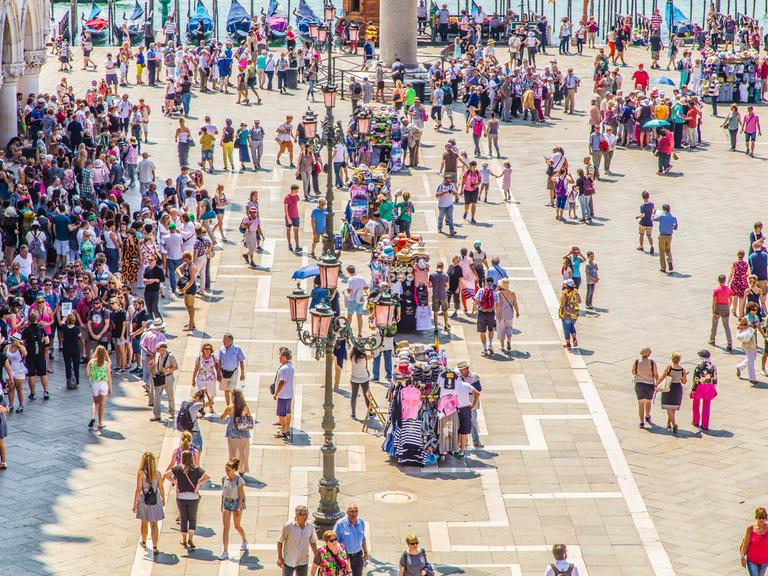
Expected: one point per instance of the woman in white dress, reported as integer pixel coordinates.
(204, 375)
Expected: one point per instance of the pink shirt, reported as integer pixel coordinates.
(410, 399)
(722, 295)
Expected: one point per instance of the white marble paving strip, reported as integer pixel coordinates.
(563, 495)
(523, 393)
(431, 221)
(535, 433)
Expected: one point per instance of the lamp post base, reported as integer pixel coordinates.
(328, 512)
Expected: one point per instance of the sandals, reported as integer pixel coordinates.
(155, 551)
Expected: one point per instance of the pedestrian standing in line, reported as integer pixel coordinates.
(296, 539)
(754, 545)
(165, 366)
(231, 361)
(188, 479)
(704, 389)
(645, 375)
(746, 332)
(721, 303)
(672, 395)
(149, 500)
(99, 370)
(350, 532)
(667, 226)
(283, 394)
(232, 505)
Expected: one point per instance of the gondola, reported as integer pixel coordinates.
(96, 25)
(278, 25)
(202, 16)
(304, 17)
(135, 25)
(238, 22)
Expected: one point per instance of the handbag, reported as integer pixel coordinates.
(150, 496)
(160, 377)
(243, 423)
(665, 386)
(745, 334)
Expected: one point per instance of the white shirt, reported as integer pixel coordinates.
(562, 565)
(446, 192)
(146, 170)
(339, 153)
(173, 246)
(355, 286)
(25, 265)
(285, 373)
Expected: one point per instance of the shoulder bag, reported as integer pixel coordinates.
(159, 379)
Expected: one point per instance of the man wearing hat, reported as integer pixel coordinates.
(163, 379)
(473, 380)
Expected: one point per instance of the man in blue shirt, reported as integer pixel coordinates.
(667, 225)
(758, 265)
(496, 272)
(350, 531)
(318, 224)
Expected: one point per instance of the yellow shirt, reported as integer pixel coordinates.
(661, 111)
(207, 140)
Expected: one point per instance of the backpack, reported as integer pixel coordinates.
(448, 98)
(603, 145)
(487, 303)
(36, 344)
(244, 225)
(36, 247)
(357, 89)
(184, 418)
(566, 572)
(589, 187)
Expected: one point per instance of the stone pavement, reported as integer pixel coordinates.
(564, 460)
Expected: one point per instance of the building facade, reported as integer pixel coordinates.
(24, 28)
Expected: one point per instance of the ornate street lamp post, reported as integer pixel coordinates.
(324, 327)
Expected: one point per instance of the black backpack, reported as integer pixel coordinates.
(566, 572)
(356, 88)
(184, 418)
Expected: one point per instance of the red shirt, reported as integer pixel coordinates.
(292, 203)
(722, 295)
(641, 79)
(666, 143)
(690, 117)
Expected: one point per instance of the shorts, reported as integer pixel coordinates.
(99, 389)
(380, 85)
(294, 222)
(136, 346)
(645, 229)
(471, 196)
(285, 145)
(355, 308)
(206, 155)
(729, 36)
(87, 53)
(230, 504)
(283, 406)
(440, 305)
(750, 136)
(36, 365)
(120, 341)
(654, 54)
(111, 79)
(230, 383)
(465, 420)
(560, 201)
(485, 321)
(62, 247)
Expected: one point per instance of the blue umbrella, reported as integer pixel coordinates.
(655, 124)
(664, 80)
(306, 272)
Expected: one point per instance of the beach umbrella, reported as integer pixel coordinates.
(663, 80)
(655, 124)
(306, 272)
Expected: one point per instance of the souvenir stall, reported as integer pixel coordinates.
(737, 74)
(404, 265)
(384, 137)
(422, 423)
